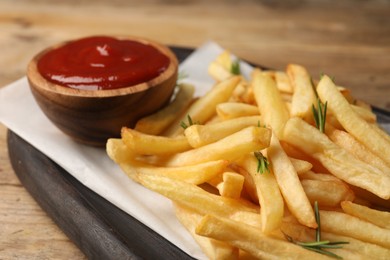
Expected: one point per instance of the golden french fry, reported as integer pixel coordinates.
(271, 106)
(118, 151)
(156, 123)
(351, 122)
(303, 97)
(218, 72)
(229, 148)
(283, 82)
(225, 59)
(376, 217)
(327, 193)
(339, 162)
(310, 175)
(349, 143)
(146, 144)
(251, 240)
(269, 196)
(364, 113)
(200, 135)
(194, 197)
(195, 174)
(229, 110)
(232, 185)
(347, 225)
(204, 108)
(355, 249)
(213, 249)
(301, 166)
(294, 152)
(290, 185)
(381, 131)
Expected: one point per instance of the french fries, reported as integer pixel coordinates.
(340, 163)
(245, 164)
(232, 147)
(377, 217)
(204, 108)
(290, 185)
(156, 123)
(352, 122)
(269, 196)
(347, 225)
(251, 240)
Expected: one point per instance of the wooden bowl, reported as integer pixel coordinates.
(93, 116)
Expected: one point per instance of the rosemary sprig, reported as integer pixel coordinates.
(262, 163)
(190, 122)
(235, 68)
(319, 112)
(318, 245)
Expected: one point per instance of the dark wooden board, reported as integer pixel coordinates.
(97, 227)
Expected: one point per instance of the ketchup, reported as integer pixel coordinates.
(100, 63)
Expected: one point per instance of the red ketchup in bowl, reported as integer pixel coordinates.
(102, 63)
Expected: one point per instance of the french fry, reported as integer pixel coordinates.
(156, 123)
(251, 240)
(376, 217)
(327, 193)
(200, 135)
(269, 196)
(290, 185)
(232, 185)
(339, 162)
(294, 152)
(225, 60)
(213, 249)
(118, 151)
(355, 249)
(282, 82)
(204, 108)
(301, 166)
(349, 143)
(218, 72)
(194, 197)
(195, 174)
(229, 148)
(229, 110)
(303, 97)
(210, 170)
(310, 175)
(347, 225)
(351, 122)
(146, 144)
(380, 131)
(364, 113)
(271, 106)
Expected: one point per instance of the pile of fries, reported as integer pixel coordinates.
(277, 166)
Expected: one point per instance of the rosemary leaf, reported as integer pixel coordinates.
(235, 68)
(262, 163)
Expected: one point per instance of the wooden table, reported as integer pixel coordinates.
(349, 41)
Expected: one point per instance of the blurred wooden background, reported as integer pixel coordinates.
(349, 40)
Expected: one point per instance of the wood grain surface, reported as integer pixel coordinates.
(349, 40)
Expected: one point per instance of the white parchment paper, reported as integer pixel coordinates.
(92, 167)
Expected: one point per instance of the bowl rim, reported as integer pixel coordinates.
(38, 81)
